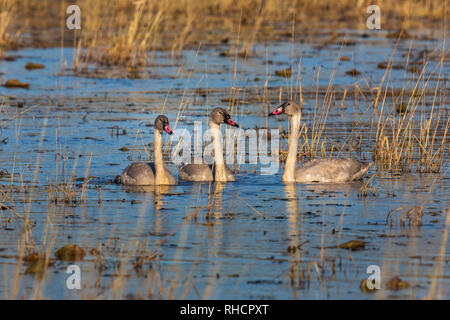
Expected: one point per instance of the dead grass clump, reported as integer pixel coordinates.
(14, 83)
(399, 143)
(70, 252)
(353, 72)
(286, 73)
(39, 267)
(367, 189)
(397, 284)
(410, 217)
(64, 189)
(64, 192)
(7, 12)
(34, 66)
(353, 245)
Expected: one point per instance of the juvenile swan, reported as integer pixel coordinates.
(140, 173)
(203, 171)
(327, 170)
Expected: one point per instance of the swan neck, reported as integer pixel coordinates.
(219, 164)
(158, 151)
(289, 170)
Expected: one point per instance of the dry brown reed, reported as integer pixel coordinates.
(399, 145)
(126, 32)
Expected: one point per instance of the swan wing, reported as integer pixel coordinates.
(331, 170)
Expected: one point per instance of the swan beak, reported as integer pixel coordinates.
(277, 111)
(168, 130)
(232, 123)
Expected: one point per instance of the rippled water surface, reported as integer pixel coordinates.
(250, 239)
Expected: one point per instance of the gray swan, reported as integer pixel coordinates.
(325, 170)
(218, 171)
(144, 174)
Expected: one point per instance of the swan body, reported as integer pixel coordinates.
(218, 171)
(145, 174)
(138, 174)
(326, 170)
(141, 174)
(331, 170)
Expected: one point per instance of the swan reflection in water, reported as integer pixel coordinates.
(215, 201)
(157, 191)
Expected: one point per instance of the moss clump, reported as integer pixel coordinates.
(14, 83)
(33, 66)
(70, 252)
(402, 108)
(397, 284)
(284, 73)
(402, 34)
(353, 245)
(353, 72)
(31, 257)
(39, 267)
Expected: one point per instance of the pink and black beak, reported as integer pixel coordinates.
(277, 111)
(167, 129)
(230, 122)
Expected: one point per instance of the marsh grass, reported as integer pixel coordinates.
(7, 12)
(415, 138)
(367, 188)
(65, 187)
(412, 215)
(399, 145)
(127, 32)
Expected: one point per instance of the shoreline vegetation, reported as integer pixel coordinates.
(125, 32)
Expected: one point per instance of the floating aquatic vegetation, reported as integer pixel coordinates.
(34, 66)
(14, 83)
(399, 34)
(353, 72)
(353, 245)
(39, 267)
(284, 72)
(397, 284)
(402, 108)
(70, 252)
(31, 257)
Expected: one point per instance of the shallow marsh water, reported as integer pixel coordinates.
(245, 249)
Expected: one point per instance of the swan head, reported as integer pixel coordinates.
(220, 115)
(289, 107)
(162, 124)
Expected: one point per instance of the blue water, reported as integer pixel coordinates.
(212, 241)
